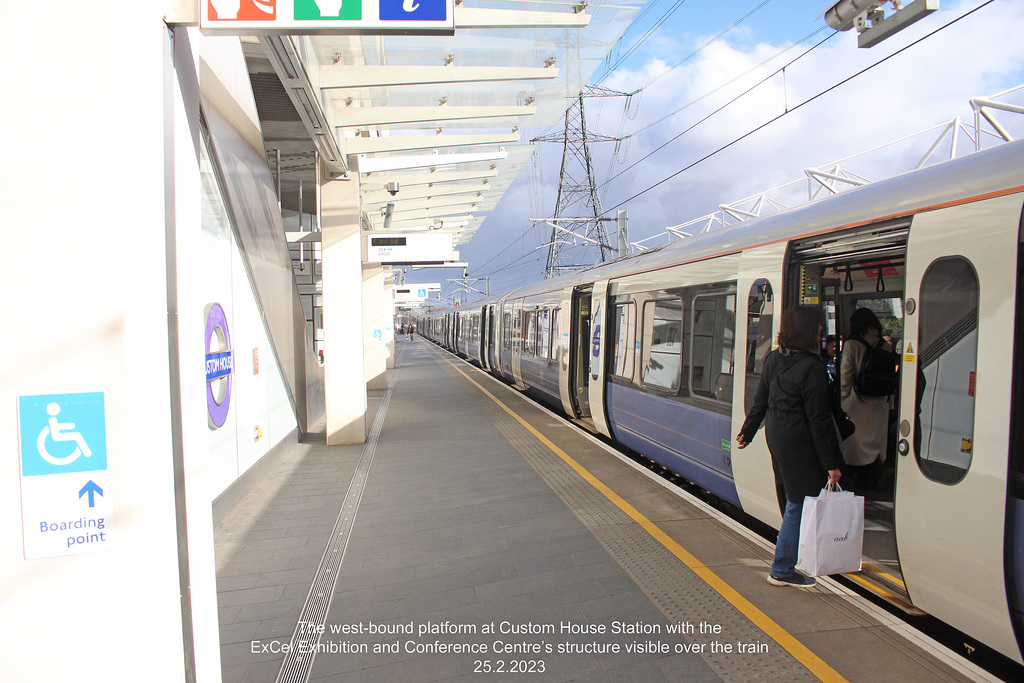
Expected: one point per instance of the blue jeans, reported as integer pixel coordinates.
(788, 545)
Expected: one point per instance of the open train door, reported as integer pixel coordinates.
(758, 312)
(953, 440)
(579, 353)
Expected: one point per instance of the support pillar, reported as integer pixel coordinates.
(375, 347)
(389, 315)
(344, 364)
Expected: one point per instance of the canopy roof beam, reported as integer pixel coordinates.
(405, 143)
(376, 181)
(369, 76)
(346, 117)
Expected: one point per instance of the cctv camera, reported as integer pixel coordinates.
(392, 188)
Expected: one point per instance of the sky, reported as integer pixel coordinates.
(686, 80)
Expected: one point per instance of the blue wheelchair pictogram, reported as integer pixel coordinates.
(62, 433)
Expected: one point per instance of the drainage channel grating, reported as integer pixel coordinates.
(676, 590)
(297, 664)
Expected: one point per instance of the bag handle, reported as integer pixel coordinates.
(832, 486)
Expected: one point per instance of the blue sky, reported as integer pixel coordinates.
(925, 85)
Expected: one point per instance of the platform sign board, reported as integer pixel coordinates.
(248, 17)
(430, 247)
(65, 481)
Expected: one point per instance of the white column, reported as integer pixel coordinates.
(83, 300)
(374, 326)
(389, 315)
(344, 358)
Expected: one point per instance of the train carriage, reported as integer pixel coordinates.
(662, 352)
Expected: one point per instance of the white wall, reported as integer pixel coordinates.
(84, 309)
(101, 190)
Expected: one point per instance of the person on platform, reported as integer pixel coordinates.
(865, 451)
(793, 401)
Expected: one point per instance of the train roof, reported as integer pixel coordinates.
(976, 176)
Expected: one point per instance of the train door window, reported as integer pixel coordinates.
(712, 345)
(947, 362)
(555, 337)
(506, 327)
(625, 319)
(530, 333)
(760, 309)
(662, 350)
(544, 336)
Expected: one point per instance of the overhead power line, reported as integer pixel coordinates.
(716, 111)
(791, 109)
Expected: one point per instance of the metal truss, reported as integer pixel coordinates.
(837, 177)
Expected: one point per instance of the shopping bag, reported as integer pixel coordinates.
(831, 533)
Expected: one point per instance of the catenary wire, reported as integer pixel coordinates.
(792, 109)
(716, 111)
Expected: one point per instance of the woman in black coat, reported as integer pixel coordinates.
(794, 401)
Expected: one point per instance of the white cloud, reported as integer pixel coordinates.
(925, 85)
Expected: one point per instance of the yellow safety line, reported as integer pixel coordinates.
(800, 652)
(882, 572)
(871, 586)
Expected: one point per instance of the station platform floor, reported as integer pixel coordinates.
(476, 536)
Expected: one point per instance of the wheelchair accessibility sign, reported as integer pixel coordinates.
(65, 489)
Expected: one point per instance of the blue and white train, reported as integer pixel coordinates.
(663, 351)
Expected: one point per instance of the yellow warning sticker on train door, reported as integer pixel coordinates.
(909, 356)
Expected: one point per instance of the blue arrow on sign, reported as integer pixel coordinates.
(92, 489)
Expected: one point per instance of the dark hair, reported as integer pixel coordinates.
(862, 320)
(799, 329)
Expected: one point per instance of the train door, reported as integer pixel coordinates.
(758, 311)
(955, 414)
(486, 320)
(562, 329)
(596, 353)
(842, 272)
(517, 344)
(579, 353)
(495, 345)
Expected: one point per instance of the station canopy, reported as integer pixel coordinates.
(443, 119)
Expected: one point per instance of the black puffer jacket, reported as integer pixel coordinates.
(794, 402)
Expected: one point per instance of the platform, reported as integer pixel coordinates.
(476, 535)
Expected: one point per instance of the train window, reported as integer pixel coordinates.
(712, 346)
(506, 327)
(555, 338)
(760, 308)
(947, 361)
(663, 344)
(530, 333)
(544, 336)
(625, 319)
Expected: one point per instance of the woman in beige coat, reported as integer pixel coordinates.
(865, 450)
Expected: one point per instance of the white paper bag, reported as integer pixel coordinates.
(831, 533)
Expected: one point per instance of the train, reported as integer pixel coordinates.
(662, 352)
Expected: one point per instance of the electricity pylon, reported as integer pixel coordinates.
(578, 220)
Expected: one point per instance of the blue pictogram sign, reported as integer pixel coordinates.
(62, 433)
(413, 10)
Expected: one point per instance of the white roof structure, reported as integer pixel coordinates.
(441, 116)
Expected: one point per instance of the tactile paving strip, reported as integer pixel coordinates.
(675, 589)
